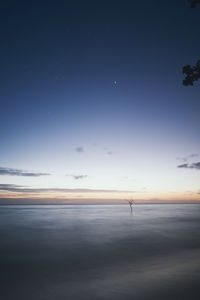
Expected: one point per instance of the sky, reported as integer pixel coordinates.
(93, 109)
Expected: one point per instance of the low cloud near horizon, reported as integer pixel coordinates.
(108, 151)
(23, 189)
(77, 177)
(19, 172)
(79, 149)
(190, 166)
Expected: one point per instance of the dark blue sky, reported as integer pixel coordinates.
(99, 75)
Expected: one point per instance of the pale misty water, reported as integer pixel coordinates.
(100, 252)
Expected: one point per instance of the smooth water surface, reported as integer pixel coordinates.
(79, 252)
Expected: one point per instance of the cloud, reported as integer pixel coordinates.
(78, 176)
(9, 187)
(23, 189)
(18, 172)
(190, 166)
(186, 158)
(108, 151)
(79, 149)
(183, 166)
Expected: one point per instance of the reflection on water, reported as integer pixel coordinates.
(100, 252)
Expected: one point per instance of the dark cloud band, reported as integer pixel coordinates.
(79, 149)
(77, 177)
(23, 189)
(18, 172)
(190, 166)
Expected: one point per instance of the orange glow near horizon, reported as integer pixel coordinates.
(96, 197)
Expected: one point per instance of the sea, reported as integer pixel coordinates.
(97, 252)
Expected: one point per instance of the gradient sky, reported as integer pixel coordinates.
(92, 103)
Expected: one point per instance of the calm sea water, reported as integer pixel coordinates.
(100, 252)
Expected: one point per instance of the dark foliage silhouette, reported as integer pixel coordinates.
(194, 3)
(192, 73)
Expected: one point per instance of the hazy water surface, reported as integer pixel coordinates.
(100, 252)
